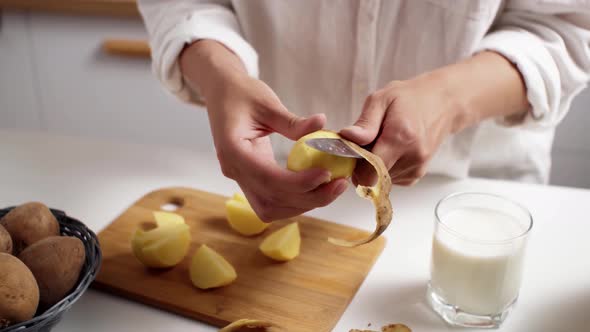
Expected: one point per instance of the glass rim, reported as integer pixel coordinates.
(449, 229)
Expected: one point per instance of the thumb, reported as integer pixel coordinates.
(293, 126)
(366, 128)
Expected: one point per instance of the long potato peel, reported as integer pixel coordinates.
(378, 194)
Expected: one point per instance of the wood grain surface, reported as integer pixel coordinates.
(125, 8)
(127, 48)
(307, 294)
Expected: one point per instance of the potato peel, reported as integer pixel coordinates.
(378, 194)
(246, 323)
(388, 328)
(395, 328)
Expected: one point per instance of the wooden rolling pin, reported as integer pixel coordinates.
(127, 47)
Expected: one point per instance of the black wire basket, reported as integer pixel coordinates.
(45, 321)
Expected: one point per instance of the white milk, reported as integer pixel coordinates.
(478, 278)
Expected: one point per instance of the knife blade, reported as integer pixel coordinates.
(334, 146)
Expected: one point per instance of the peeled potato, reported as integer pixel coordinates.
(210, 270)
(284, 244)
(303, 157)
(242, 218)
(164, 218)
(165, 245)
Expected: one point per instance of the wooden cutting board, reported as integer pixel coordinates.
(307, 294)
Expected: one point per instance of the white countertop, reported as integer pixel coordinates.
(97, 180)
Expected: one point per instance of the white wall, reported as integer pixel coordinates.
(18, 103)
(54, 77)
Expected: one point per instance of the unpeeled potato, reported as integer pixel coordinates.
(29, 223)
(5, 241)
(56, 263)
(19, 293)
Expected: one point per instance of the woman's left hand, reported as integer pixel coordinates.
(406, 121)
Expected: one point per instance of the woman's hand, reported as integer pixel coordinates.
(243, 111)
(406, 121)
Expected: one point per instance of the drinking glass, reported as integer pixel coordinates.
(477, 258)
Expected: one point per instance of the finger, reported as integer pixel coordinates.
(406, 182)
(366, 128)
(409, 165)
(291, 125)
(266, 209)
(398, 174)
(364, 174)
(269, 213)
(411, 176)
(260, 170)
(388, 151)
(274, 178)
(321, 196)
(282, 205)
(401, 168)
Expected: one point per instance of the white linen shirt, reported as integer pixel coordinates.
(327, 56)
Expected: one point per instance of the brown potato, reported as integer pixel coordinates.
(29, 223)
(56, 262)
(5, 241)
(19, 293)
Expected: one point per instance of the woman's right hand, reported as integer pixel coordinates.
(243, 112)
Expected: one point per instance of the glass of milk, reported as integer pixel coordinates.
(477, 258)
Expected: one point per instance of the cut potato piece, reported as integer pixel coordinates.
(209, 269)
(163, 246)
(284, 244)
(164, 218)
(242, 218)
(240, 198)
(303, 157)
(247, 324)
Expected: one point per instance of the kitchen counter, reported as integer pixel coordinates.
(92, 7)
(96, 180)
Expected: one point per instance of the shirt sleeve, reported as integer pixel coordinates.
(549, 43)
(173, 24)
